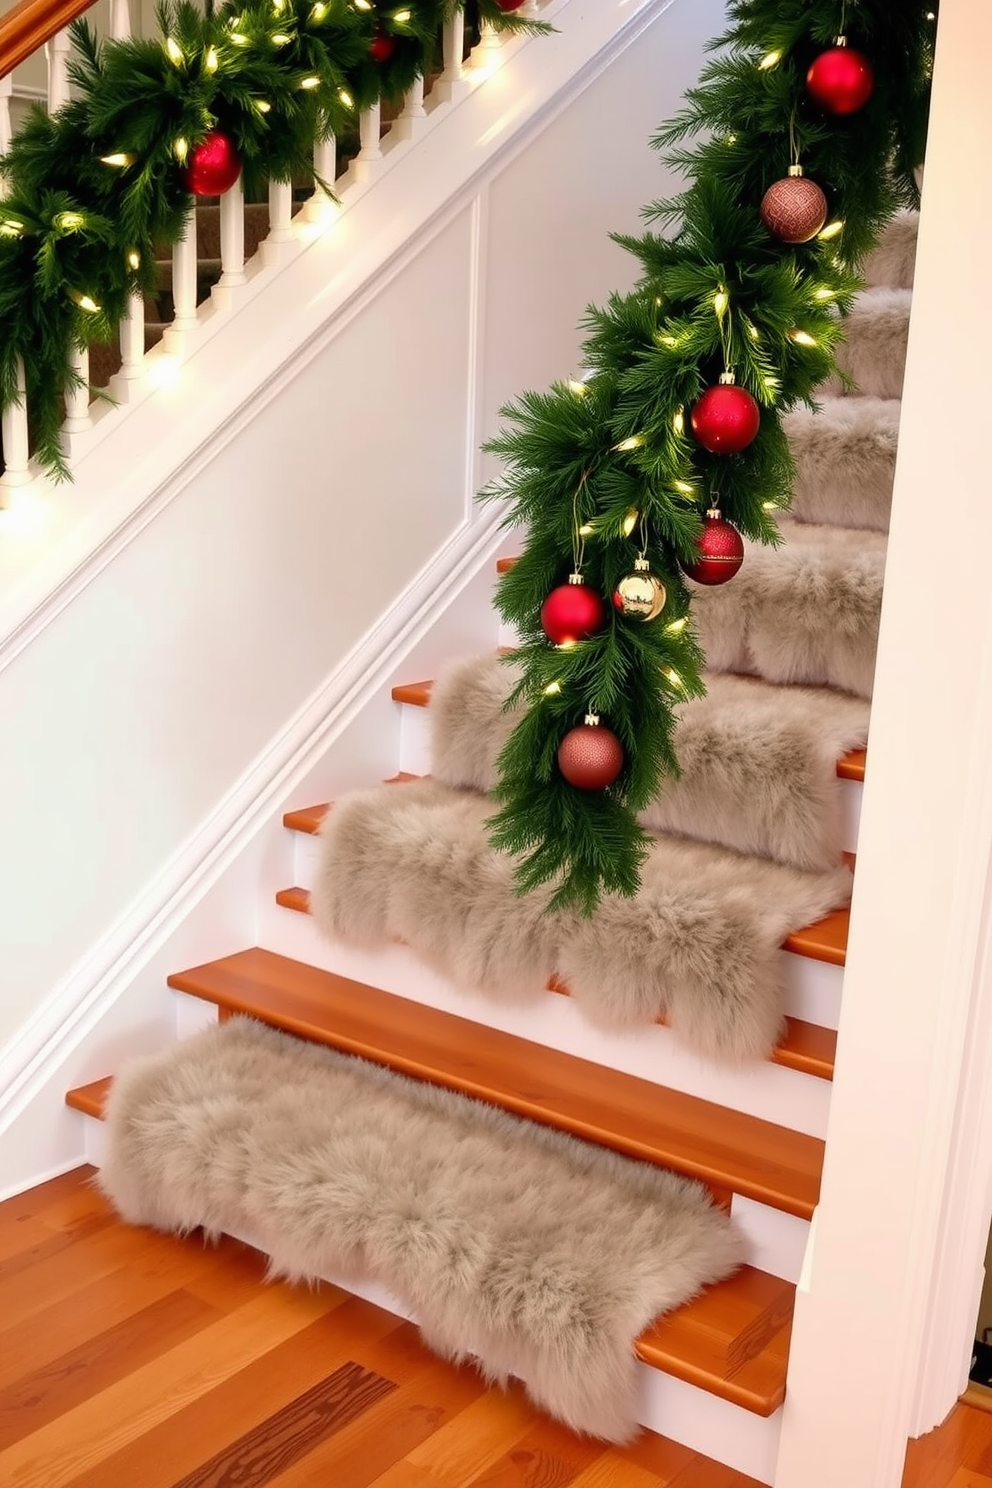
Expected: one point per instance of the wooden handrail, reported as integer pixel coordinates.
(30, 24)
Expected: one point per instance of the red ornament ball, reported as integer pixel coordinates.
(507, 5)
(571, 613)
(590, 757)
(721, 552)
(840, 80)
(213, 165)
(794, 209)
(382, 47)
(726, 419)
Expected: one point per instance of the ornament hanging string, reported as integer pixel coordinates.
(578, 541)
(793, 145)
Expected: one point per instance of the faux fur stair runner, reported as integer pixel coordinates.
(541, 1255)
(698, 945)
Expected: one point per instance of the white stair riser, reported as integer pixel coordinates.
(682, 1412)
(813, 988)
(415, 759)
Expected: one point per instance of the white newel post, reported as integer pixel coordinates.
(232, 241)
(77, 403)
(6, 87)
(120, 20)
(57, 53)
(413, 109)
(451, 84)
(14, 424)
(368, 132)
(184, 281)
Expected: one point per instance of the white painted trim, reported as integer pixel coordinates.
(881, 1328)
(235, 361)
(94, 984)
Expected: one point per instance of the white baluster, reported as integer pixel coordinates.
(14, 423)
(368, 132)
(77, 399)
(490, 42)
(132, 339)
(232, 241)
(325, 159)
(280, 212)
(451, 84)
(183, 284)
(120, 19)
(57, 52)
(6, 87)
(405, 126)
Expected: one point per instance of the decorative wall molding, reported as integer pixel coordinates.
(78, 1003)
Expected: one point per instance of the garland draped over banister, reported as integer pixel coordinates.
(89, 193)
(802, 138)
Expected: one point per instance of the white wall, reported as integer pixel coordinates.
(132, 713)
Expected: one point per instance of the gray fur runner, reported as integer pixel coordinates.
(543, 1256)
(698, 944)
(758, 762)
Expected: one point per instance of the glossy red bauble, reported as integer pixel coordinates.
(590, 757)
(721, 552)
(213, 165)
(507, 5)
(382, 47)
(794, 209)
(571, 613)
(726, 419)
(840, 80)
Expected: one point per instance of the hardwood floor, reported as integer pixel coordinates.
(135, 1360)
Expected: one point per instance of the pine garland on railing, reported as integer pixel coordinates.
(89, 194)
(654, 464)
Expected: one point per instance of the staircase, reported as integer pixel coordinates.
(714, 1371)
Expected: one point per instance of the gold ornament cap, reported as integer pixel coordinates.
(795, 170)
(576, 578)
(591, 720)
(728, 378)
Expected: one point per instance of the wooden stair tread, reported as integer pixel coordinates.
(731, 1340)
(309, 819)
(805, 1047)
(723, 1148)
(850, 766)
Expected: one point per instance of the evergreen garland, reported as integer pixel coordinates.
(607, 468)
(91, 193)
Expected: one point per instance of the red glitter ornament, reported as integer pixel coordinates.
(794, 209)
(572, 612)
(840, 80)
(213, 165)
(382, 47)
(590, 757)
(726, 419)
(721, 551)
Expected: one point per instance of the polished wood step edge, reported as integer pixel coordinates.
(760, 1306)
(805, 1047)
(850, 766)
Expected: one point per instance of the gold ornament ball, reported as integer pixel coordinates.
(794, 209)
(640, 595)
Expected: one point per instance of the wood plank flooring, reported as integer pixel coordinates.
(135, 1360)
